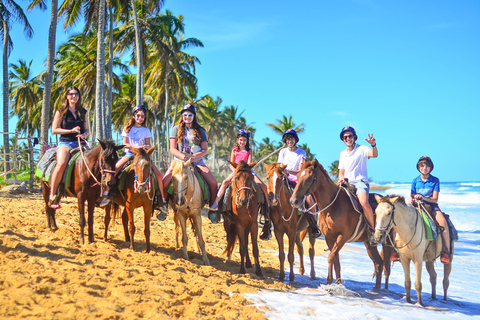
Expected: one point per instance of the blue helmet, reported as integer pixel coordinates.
(244, 133)
(189, 107)
(348, 128)
(292, 133)
(139, 107)
(427, 160)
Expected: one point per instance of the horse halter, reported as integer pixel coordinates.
(391, 222)
(138, 185)
(237, 193)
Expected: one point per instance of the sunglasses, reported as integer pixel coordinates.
(188, 115)
(347, 136)
(138, 115)
(73, 94)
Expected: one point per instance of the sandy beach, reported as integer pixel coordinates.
(50, 275)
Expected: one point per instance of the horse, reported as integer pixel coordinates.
(243, 219)
(411, 242)
(187, 202)
(285, 221)
(139, 192)
(93, 171)
(338, 219)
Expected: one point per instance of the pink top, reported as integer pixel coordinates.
(239, 155)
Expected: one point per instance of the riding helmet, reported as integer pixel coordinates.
(139, 107)
(427, 160)
(189, 107)
(244, 133)
(348, 128)
(290, 132)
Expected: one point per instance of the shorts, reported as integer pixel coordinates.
(361, 185)
(69, 144)
(434, 206)
(128, 154)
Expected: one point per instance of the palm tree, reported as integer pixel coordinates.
(310, 155)
(47, 92)
(284, 124)
(333, 170)
(9, 11)
(25, 93)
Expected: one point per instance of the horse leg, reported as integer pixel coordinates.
(387, 251)
(183, 223)
(50, 213)
(178, 230)
(131, 226)
(281, 252)
(106, 221)
(243, 248)
(291, 253)
(91, 209)
(447, 268)
(311, 253)
(147, 215)
(418, 279)
(334, 257)
(254, 233)
(330, 258)
(81, 211)
(299, 243)
(200, 242)
(248, 262)
(433, 278)
(125, 225)
(408, 282)
(377, 263)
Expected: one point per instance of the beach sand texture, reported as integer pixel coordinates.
(49, 275)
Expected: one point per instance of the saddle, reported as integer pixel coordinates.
(201, 180)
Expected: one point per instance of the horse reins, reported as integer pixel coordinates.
(102, 171)
(137, 185)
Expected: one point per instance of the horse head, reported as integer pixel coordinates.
(307, 182)
(243, 183)
(142, 166)
(180, 182)
(107, 160)
(385, 216)
(275, 180)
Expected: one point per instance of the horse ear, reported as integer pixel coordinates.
(378, 198)
(102, 143)
(394, 199)
(188, 162)
(134, 150)
(149, 151)
(316, 163)
(267, 167)
(116, 148)
(253, 164)
(233, 164)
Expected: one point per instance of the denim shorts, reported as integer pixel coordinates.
(361, 185)
(69, 144)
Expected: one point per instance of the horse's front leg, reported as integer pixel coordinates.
(408, 282)
(183, 223)
(256, 256)
(131, 225)
(334, 257)
(248, 262)
(418, 279)
(242, 246)
(331, 257)
(299, 244)
(125, 224)
(291, 251)
(387, 251)
(147, 215)
(106, 221)
(311, 253)
(82, 222)
(447, 268)
(200, 241)
(91, 209)
(377, 263)
(281, 251)
(50, 213)
(433, 278)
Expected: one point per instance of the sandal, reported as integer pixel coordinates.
(54, 206)
(212, 215)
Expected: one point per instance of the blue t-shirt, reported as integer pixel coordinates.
(425, 188)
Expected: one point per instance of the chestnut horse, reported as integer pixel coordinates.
(338, 220)
(286, 221)
(94, 169)
(411, 242)
(243, 219)
(139, 192)
(187, 203)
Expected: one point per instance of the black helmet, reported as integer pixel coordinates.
(244, 133)
(189, 107)
(427, 160)
(348, 128)
(139, 107)
(291, 132)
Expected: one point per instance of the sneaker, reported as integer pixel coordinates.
(395, 257)
(212, 215)
(266, 232)
(162, 216)
(445, 258)
(214, 207)
(105, 202)
(316, 233)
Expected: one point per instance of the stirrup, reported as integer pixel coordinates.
(105, 202)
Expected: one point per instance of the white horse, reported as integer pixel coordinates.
(187, 203)
(411, 242)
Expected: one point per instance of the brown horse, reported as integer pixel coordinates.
(243, 220)
(338, 220)
(139, 192)
(285, 221)
(94, 170)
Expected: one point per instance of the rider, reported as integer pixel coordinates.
(426, 187)
(293, 157)
(70, 122)
(353, 166)
(136, 136)
(188, 140)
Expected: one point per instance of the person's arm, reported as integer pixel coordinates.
(341, 176)
(86, 127)
(126, 143)
(432, 199)
(372, 153)
(203, 152)
(249, 160)
(296, 171)
(232, 159)
(57, 122)
(175, 152)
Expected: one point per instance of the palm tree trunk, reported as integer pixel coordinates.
(47, 91)
(166, 130)
(6, 147)
(138, 53)
(100, 85)
(108, 109)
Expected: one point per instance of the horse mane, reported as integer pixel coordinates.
(388, 198)
(177, 167)
(317, 165)
(243, 166)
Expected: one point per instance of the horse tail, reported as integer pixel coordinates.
(303, 234)
(114, 212)
(231, 231)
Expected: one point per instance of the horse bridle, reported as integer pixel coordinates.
(103, 171)
(283, 184)
(137, 185)
(237, 193)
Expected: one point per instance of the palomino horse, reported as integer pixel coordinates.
(411, 242)
(188, 203)
(285, 221)
(338, 219)
(94, 170)
(243, 220)
(139, 192)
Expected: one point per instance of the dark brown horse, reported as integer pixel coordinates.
(338, 219)
(138, 192)
(94, 169)
(286, 221)
(243, 220)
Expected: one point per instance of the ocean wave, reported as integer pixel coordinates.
(471, 184)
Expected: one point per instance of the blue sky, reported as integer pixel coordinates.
(406, 71)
